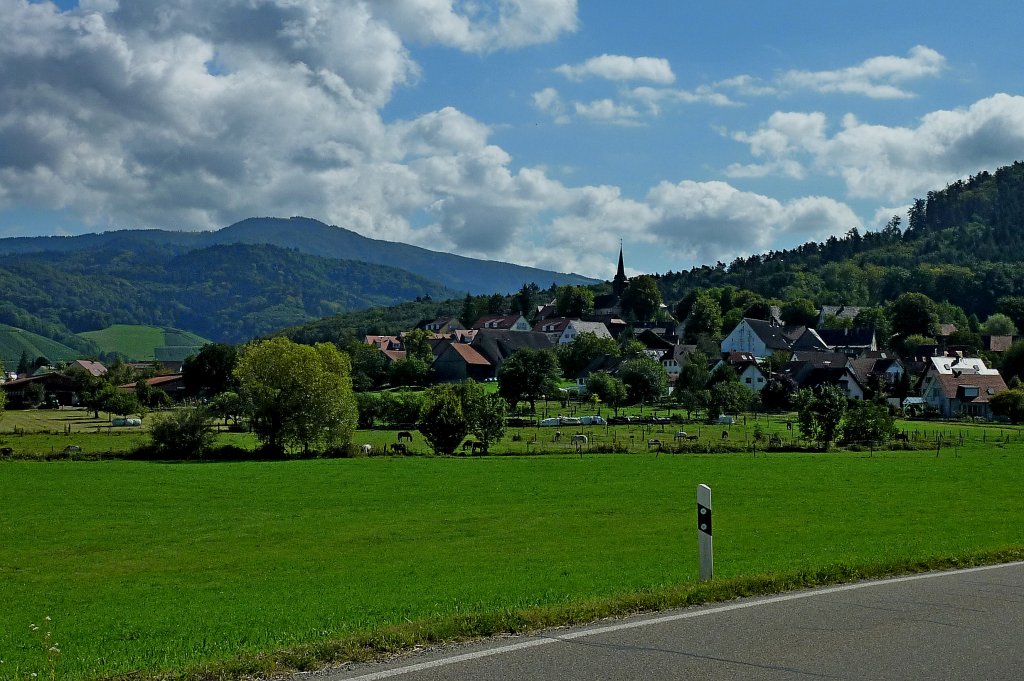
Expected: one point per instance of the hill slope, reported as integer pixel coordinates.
(14, 341)
(225, 293)
(144, 343)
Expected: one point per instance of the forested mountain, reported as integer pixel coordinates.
(315, 238)
(963, 244)
(225, 293)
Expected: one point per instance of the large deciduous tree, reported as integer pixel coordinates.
(443, 420)
(608, 389)
(297, 395)
(642, 299)
(574, 301)
(574, 356)
(528, 376)
(211, 371)
(820, 411)
(645, 379)
(485, 414)
(704, 318)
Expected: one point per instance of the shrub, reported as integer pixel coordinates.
(184, 432)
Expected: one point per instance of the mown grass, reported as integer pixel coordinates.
(214, 570)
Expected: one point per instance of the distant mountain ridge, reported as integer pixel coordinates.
(313, 237)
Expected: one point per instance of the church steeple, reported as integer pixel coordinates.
(619, 282)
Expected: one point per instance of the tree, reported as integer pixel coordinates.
(528, 375)
(417, 344)
(575, 355)
(999, 324)
(211, 370)
(574, 301)
(820, 412)
(485, 414)
(868, 422)
(24, 364)
(409, 371)
(1011, 364)
(608, 389)
(645, 379)
(150, 397)
(442, 420)
(1009, 403)
(801, 312)
(227, 405)
(642, 298)
(121, 403)
(370, 368)
(729, 397)
(704, 319)
(297, 395)
(184, 432)
(522, 302)
(913, 313)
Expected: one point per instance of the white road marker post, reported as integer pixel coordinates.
(707, 559)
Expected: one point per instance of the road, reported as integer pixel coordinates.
(965, 624)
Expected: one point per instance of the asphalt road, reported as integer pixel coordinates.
(966, 624)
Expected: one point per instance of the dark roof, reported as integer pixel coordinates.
(607, 363)
(775, 337)
(822, 359)
(836, 338)
(653, 341)
(810, 340)
(498, 344)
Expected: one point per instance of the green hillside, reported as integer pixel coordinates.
(143, 343)
(14, 341)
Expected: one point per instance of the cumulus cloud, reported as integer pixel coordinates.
(607, 111)
(620, 68)
(480, 26)
(892, 163)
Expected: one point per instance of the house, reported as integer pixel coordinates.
(58, 386)
(748, 371)
(957, 386)
(92, 368)
(814, 369)
(809, 340)
(761, 338)
(562, 330)
(887, 371)
(609, 364)
(851, 342)
(497, 345)
(841, 312)
(996, 343)
(513, 322)
(172, 384)
(655, 345)
(675, 359)
(384, 342)
(457, 362)
(442, 325)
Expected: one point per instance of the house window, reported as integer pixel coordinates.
(760, 380)
(749, 381)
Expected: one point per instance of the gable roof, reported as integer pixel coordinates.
(810, 340)
(596, 328)
(773, 336)
(607, 363)
(845, 338)
(498, 344)
(468, 354)
(959, 366)
(94, 368)
(987, 385)
(498, 321)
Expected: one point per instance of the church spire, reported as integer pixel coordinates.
(619, 282)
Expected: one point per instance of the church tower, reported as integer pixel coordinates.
(619, 282)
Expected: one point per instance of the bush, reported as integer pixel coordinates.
(183, 433)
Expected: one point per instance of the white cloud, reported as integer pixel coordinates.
(550, 102)
(607, 111)
(877, 77)
(886, 162)
(480, 26)
(621, 68)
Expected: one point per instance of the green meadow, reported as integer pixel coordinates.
(217, 570)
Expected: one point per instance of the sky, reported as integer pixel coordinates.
(540, 132)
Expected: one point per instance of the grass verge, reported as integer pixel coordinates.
(382, 644)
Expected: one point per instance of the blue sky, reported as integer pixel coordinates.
(533, 131)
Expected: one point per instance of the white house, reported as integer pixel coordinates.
(761, 338)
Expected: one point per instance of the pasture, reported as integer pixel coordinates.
(211, 570)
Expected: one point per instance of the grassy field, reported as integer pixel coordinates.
(152, 568)
(14, 341)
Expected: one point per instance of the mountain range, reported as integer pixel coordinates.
(249, 279)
